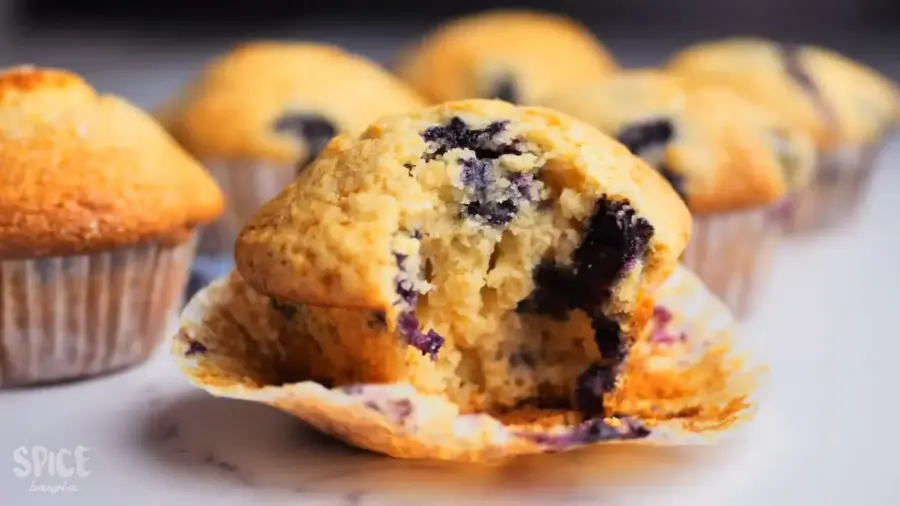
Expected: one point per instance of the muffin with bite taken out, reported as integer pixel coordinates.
(499, 256)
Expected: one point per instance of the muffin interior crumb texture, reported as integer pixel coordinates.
(513, 287)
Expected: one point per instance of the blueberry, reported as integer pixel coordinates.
(312, 129)
(591, 385)
(614, 239)
(195, 348)
(790, 57)
(591, 431)
(429, 343)
(793, 67)
(649, 134)
(608, 338)
(675, 179)
(496, 214)
(521, 182)
(457, 134)
(476, 174)
(505, 89)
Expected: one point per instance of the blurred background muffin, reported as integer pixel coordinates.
(515, 56)
(261, 112)
(847, 109)
(730, 160)
(98, 207)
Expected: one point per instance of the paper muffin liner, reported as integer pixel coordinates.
(833, 197)
(682, 382)
(247, 185)
(64, 318)
(733, 253)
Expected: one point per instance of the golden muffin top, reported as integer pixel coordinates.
(720, 151)
(82, 172)
(517, 56)
(281, 101)
(836, 100)
(439, 177)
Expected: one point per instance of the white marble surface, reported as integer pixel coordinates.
(828, 329)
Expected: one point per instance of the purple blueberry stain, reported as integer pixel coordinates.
(588, 432)
(353, 389)
(522, 183)
(195, 348)
(428, 342)
(662, 318)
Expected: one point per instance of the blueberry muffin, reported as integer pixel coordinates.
(730, 160)
(846, 108)
(494, 254)
(261, 112)
(515, 56)
(97, 211)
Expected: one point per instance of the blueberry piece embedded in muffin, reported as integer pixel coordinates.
(312, 129)
(592, 431)
(505, 89)
(675, 179)
(648, 140)
(590, 387)
(195, 348)
(614, 240)
(511, 204)
(456, 134)
(640, 137)
(493, 194)
(408, 287)
(794, 68)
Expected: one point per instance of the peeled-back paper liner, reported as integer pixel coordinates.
(70, 317)
(229, 343)
(247, 185)
(732, 253)
(834, 195)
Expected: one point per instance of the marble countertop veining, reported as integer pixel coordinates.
(827, 329)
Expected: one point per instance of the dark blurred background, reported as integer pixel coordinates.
(144, 48)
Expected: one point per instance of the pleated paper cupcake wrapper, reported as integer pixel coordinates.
(834, 195)
(247, 185)
(683, 382)
(64, 318)
(733, 253)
